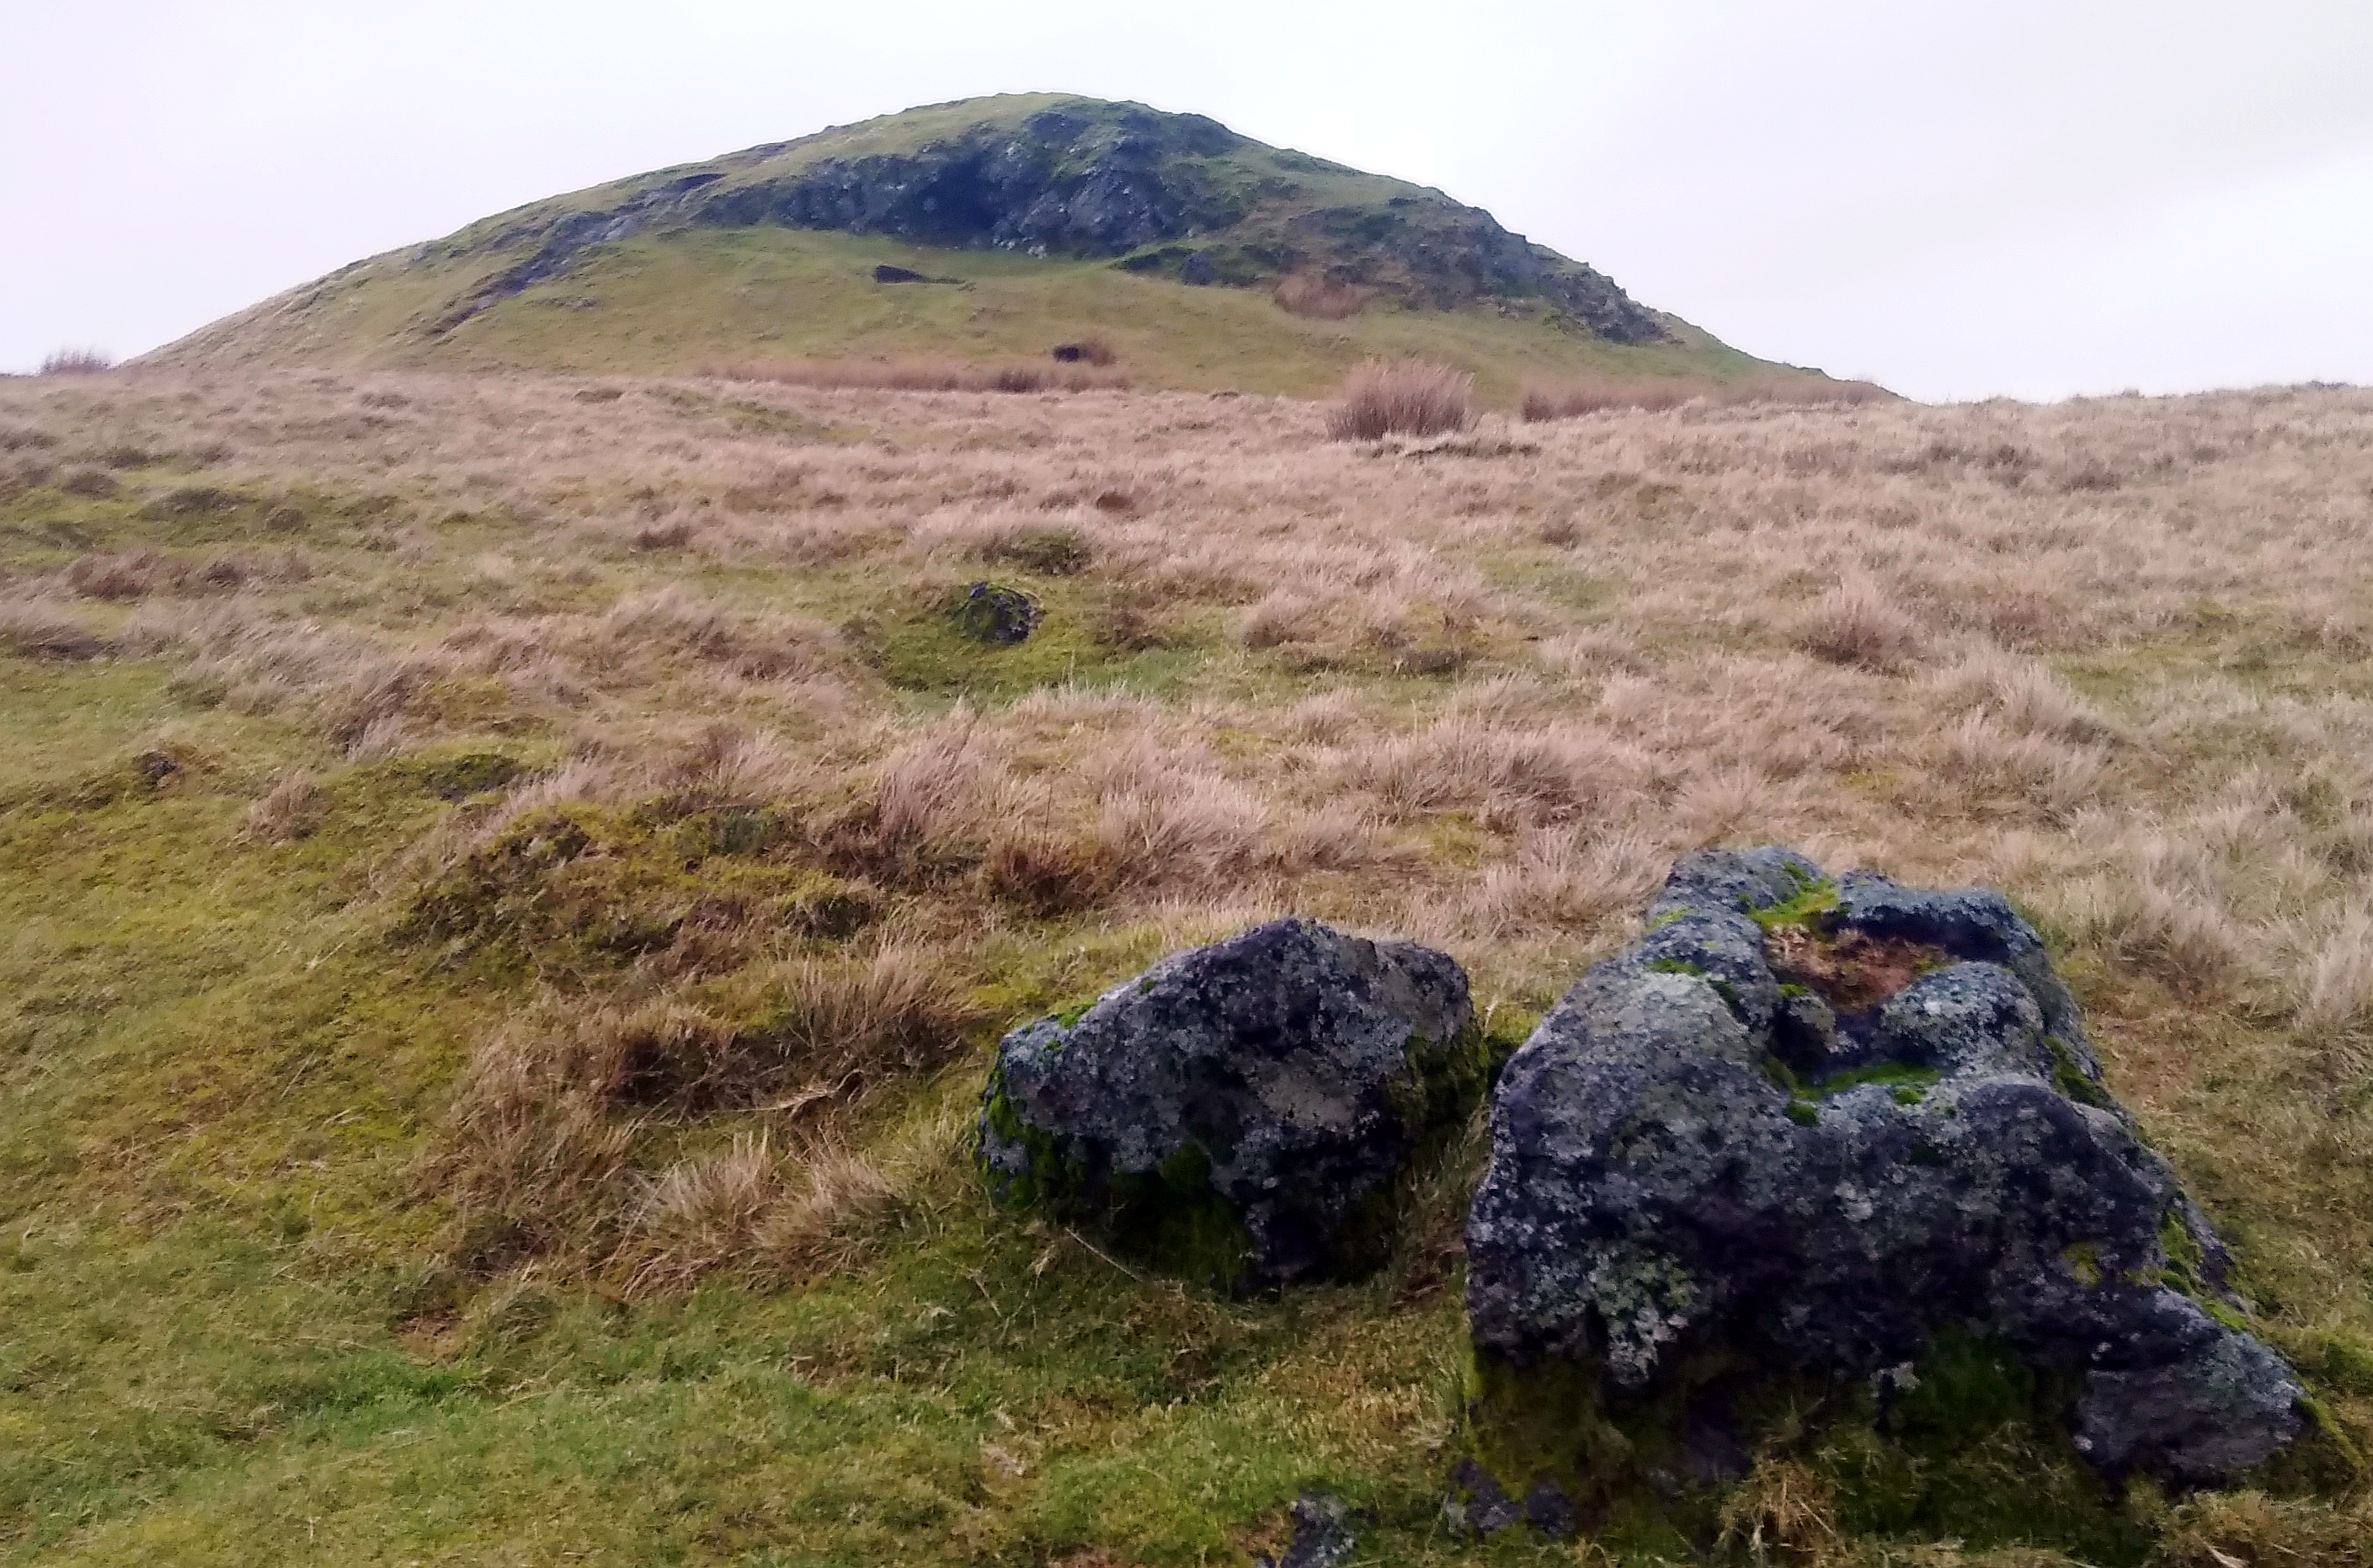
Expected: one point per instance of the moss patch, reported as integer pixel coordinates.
(1902, 1077)
(931, 648)
(2073, 1082)
(569, 891)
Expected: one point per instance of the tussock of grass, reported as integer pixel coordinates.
(32, 629)
(1408, 397)
(1317, 297)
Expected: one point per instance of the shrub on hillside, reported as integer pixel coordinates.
(1383, 397)
(1313, 294)
(1095, 348)
(76, 362)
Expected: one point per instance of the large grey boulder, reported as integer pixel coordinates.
(1806, 1132)
(1240, 1112)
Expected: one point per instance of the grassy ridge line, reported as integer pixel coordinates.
(670, 303)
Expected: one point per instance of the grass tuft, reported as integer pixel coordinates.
(1405, 397)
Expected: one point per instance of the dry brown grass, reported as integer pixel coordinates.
(1571, 399)
(2257, 1531)
(1385, 397)
(1856, 624)
(810, 1207)
(1087, 374)
(34, 629)
(546, 1116)
(1783, 1512)
(1317, 297)
(136, 574)
(2112, 655)
(291, 809)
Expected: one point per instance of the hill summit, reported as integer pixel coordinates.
(979, 228)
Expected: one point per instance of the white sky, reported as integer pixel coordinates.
(2031, 197)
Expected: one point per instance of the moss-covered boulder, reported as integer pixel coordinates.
(1805, 1153)
(1240, 1113)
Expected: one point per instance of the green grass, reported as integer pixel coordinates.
(223, 1340)
(674, 302)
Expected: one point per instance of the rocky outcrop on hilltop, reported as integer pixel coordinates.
(1168, 193)
(1812, 1140)
(1239, 1113)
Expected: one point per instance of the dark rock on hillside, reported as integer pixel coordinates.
(1095, 179)
(1816, 1135)
(1241, 1112)
(885, 273)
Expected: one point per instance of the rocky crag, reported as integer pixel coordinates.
(1175, 194)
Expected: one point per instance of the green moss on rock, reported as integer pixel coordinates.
(1969, 1444)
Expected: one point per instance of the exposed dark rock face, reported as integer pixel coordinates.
(1069, 185)
(1100, 180)
(1815, 1131)
(1450, 254)
(1239, 1112)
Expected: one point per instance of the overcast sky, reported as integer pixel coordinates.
(2030, 197)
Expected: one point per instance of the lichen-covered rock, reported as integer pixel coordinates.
(995, 614)
(1323, 1537)
(1239, 1112)
(1800, 1134)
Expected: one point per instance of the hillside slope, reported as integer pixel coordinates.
(509, 885)
(1025, 221)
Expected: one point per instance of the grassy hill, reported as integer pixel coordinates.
(382, 754)
(1032, 220)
